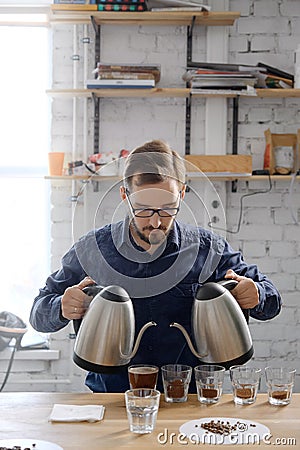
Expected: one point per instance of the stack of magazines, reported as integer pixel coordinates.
(239, 77)
(123, 75)
(214, 79)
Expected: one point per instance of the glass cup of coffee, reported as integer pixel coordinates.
(142, 376)
(280, 382)
(245, 382)
(176, 381)
(209, 382)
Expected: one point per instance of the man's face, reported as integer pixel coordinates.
(164, 197)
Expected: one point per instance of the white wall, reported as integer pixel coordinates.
(267, 31)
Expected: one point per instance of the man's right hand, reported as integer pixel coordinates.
(74, 302)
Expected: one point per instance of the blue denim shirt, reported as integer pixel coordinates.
(162, 287)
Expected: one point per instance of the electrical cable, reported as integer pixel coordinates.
(291, 187)
(264, 191)
(17, 343)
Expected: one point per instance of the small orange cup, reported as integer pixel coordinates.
(56, 163)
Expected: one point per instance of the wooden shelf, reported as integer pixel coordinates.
(83, 13)
(262, 93)
(120, 92)
(278, 93)
(85, 178)
(166, 92)
(193, 177)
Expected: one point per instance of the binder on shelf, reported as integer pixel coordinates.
(274, 71)
(120, 84)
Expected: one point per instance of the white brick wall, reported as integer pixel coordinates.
(268, 31)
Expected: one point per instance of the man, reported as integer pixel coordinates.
(159, 261)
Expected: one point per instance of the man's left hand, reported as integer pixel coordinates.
(246, 292)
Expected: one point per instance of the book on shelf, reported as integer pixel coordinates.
(199, 74)
(125, 68)
(265, 76)
(128, 67)
(124, 2)
(266, 80)
(120, 84)
(76, 7)
(180, 8)
(274, 71)
(169, 5)
(222, 82)
(205, 78)
(122, 7)
(75, 2)
(246, 91)
(125, 76)
(219, 84)
(225, 67)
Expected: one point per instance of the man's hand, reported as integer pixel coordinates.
(74, 302)
(246, 292)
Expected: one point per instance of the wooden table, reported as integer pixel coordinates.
(25, 415)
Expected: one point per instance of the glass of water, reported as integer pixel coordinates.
(142, 406)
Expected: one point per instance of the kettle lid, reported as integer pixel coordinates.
(115, 294)
(209, 291)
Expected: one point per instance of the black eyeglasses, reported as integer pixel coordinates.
(149, 212)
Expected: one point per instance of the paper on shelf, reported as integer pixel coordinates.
(250, 91)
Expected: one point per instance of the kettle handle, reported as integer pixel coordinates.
(91, 290)
(230, 284)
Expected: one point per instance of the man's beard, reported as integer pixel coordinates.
(154, 238)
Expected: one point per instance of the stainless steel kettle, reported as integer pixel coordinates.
(220, 328)
(104, 341)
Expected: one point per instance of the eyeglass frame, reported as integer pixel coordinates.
(154, 210)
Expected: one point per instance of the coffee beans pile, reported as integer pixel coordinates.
(218, 427)
(224, 428)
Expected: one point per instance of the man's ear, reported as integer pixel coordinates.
(123, 192)
(183, 191)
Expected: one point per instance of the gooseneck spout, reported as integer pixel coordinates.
(188, 340)
(139, 337)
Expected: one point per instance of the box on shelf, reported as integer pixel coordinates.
(220, 164)
(282, 152)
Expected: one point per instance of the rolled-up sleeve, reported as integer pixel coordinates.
(270, 301)
(45, 315)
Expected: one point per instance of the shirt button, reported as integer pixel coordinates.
(150, 347)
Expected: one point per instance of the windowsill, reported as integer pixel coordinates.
(40, 354)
